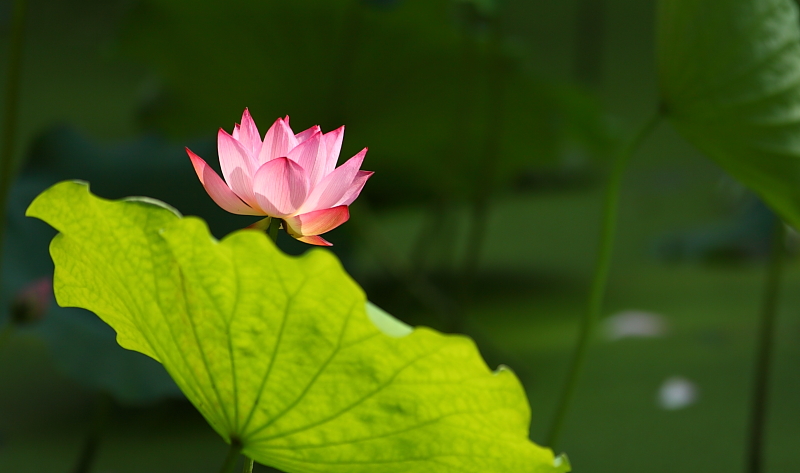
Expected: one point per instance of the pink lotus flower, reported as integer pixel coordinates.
(292, 177)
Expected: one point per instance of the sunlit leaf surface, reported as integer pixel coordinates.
(279, 353)
(730, 81)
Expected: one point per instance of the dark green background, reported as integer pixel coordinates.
(112, 91)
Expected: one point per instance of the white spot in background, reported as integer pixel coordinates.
(676, 393)
(634, 323)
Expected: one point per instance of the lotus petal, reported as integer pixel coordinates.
(217, 189)
(310, 155)
(281, 187)
(314, 240)
(237, 167)
(306, 134)
(277, 142)
(355, 188)
(248, 134)
(316, 222)
(333, 142)
(335, 185)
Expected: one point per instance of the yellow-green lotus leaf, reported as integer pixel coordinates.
(279, 353)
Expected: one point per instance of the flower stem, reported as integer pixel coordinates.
(232, 457)
(599, 281)
(248, 465)
(769, 306)
(9, 131)
(272, 231)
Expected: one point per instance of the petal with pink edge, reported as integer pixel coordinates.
(333, 143)
(310, 155)
(306, 134)
(237, 167)
(281, 187)
(248, 134)
(355, 188)
(314, 240)
(333, 187)
(217, 189)
(277, 142)
(317, 222)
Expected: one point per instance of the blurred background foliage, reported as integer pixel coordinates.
(444, 70)
(489, 124)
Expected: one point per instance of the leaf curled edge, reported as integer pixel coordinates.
(280, 353)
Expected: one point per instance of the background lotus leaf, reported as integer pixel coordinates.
(730, 82)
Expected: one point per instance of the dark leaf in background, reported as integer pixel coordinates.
(82, 347)
(730, 81)
(85, 349)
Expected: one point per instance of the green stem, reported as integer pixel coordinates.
(248, 465)
(490, 159)
(769, 306)
(102, 413)
(232, 457)
(272, 231)
(599, 281)
(9, 132)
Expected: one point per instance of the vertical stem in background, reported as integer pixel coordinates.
(589, 42)
(102, 412)
(9, 132)
(599, 280)
(761, 375)
(248, 465)
(459, 152)
(489, 161)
